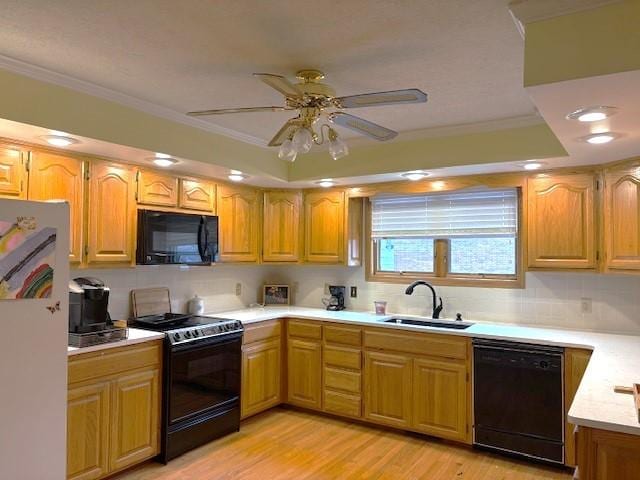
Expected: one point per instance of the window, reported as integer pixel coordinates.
(454, 237)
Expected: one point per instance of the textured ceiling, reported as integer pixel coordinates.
(191, 55)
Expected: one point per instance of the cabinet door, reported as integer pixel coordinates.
(238, 213)
(387, 389)
(88, 431)
(441, 399)
(324, 227)
(197, 195)
(622, 220)
(136, 419)
(281, 235)
(57, 177)
(561, 225)
(304, 373)
(576, 361)
(12, 172)
(606, 455)
(157, 189)
(261, 363)
(112, 211)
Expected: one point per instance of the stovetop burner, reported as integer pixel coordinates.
(181, 327)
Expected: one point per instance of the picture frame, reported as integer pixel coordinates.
(275, 295)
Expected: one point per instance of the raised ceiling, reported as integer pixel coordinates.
(191, 55)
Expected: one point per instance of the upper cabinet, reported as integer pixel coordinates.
(58, 177)
(157, 189)
(281, 232)
(561, 221)
(197, 195)
(112, 213)
(324, 232)
(621, 219)
(12, 172)
(239, 227)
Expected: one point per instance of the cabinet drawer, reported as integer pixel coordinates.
(343, 357)
(342, 404)
(261, 331)
(342, 380)
(298, 328)
(343, 335)
(422, 344)
(108, 362)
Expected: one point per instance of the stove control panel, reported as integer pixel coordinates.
(190, 334)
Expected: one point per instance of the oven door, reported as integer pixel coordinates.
(203, 377)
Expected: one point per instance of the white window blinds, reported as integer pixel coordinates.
(441, 215)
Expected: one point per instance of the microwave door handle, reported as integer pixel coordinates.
(201, 229)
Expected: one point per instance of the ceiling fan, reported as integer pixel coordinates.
(311, 97)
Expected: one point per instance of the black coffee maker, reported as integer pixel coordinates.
(336, 301)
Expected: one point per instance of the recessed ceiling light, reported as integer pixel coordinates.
(164, 162)
(326, 183)
(415, 175)
(162, 155)
(600, 138)
(533, 165)
(59, 140)
(236, 176)
(592, 114)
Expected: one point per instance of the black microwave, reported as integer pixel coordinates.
(176, 238)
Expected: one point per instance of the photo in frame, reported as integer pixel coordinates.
(275, 295)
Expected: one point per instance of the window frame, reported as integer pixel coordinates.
(440, 274)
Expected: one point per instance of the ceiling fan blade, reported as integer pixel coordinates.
(394, 97)
(221, 111)
(285, 132)
(361, 125)
(280, 83)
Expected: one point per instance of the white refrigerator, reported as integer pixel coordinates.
(34, 277)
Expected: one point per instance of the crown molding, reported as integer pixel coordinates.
(62, 80)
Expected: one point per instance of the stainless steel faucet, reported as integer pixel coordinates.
(437, 308)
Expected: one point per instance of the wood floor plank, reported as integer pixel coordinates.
(284, 444)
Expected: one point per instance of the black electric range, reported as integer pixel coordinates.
(201, 379)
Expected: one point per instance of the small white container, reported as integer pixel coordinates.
(196, 305)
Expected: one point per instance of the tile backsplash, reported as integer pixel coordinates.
(583, 301)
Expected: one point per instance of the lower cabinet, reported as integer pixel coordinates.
(261, 365)
(605, 455)
(387, 394)
(304, 372)
(113, 410)
(575, 364)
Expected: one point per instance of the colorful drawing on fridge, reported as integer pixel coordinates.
(26, 259)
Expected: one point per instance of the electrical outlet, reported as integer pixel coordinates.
(586, 305)
(354, 291)
(238, 289)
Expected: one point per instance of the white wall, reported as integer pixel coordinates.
(549, 299)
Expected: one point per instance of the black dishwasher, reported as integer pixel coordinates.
(518, 399)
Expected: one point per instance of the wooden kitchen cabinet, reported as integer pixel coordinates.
(621, 219)
(261, 367)
(387, 388)
(60, 177)
(561, 221)
(12, 172)
(239, 227)
(281, 226)
(324, 231)
(575, 364)
(197, 195)
(112, 213)
(113, 409)
(342, 370)
(134, 419)
(88, 431)
(606, 455)
(157, 189)
(440, 399)
(304, 372)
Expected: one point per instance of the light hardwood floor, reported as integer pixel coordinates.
(290, 444)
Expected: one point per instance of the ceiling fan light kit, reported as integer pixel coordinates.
(310, 97)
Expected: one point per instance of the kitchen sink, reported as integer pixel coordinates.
(451, 324)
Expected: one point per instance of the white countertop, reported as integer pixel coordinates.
(135, 336)
(615, 360)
